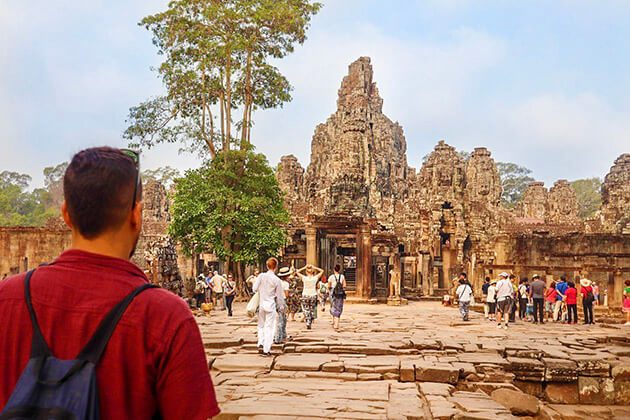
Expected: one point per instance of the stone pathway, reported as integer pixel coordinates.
(419, 361)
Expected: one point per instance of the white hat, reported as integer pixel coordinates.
(504, 274)
(585, 282)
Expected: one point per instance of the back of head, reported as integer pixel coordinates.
(98, 189)
(272, 263)
(337, 268)
(563, 278)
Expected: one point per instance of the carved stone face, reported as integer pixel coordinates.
(445, 175)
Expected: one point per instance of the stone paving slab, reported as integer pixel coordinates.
(416, 361)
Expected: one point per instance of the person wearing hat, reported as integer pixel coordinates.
(491, 300)
(537, 294)
(281, 327)
(505, 299)
(586, 290)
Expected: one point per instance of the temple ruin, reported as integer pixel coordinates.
(360, 205)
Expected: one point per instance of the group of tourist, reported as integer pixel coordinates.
(215, 288)
(535, 300)
(278, 298)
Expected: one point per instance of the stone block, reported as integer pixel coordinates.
(531, 388)
(369, 376)
(527, 369)
(426, 372)
(332, 367)
(622, 392)
(433, 388)
(588, 365)
(598, 391)
(407, 371)
(489, 387)
(311, 349)
(560, 370)
(303, 361)
(562, 393)
(621, 372)
(519, 403)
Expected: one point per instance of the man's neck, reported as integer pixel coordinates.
(103, 245)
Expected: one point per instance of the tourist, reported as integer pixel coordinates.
(217, 290)
(595, 293)
(491, 300)
(571, 302)
(561, 288)
(229, 291)
(281, 327)
(309, 291)
(523, 298)
(293, 301)
(484, 292)
(505, 298)
(200, 291)
(586, 290)
(154, 363)
(208, 287)
(322, 292)
(551, 296)
(464, 295)
(626, 301)
(271, 298)
(337, 285)
(514, 282)
(251, 279)
(537, 294)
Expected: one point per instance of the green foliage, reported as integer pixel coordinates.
(232, 205)
(19, 207)
(589, 196)
(514, 180)
(53, 182)
(216, 61)
(164, 175)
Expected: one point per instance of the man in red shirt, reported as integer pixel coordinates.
(154, 363)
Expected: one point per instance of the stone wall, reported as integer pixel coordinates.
(24, 248)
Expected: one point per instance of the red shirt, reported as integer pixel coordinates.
(585, 289)
(155, 360)
(571, 295)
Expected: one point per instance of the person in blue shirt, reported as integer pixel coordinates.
(561, 288)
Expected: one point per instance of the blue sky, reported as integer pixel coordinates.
(541, 83)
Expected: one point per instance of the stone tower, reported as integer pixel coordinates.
(616, 196)
(562, 203)
(533, 205)
(358, 161)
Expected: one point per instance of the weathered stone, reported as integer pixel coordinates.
(560, 370)
(434, 388)
(616, 196)
(303, 361)
(596, 390)
(527, 369)
(427, 372)
(333, 367)
(591, 366)
(517, 402)
(621, 372)
(562, 393)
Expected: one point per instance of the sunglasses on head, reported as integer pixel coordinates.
(135, 157)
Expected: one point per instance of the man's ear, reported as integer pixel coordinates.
(65, 214)
(136, 215)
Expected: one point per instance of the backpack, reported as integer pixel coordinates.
(589, 298)
(55, 389)
(338, 291)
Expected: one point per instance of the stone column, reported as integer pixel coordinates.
(364, 262)
(615, 293)
(311, 246)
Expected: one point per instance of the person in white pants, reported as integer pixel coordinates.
(271, 294)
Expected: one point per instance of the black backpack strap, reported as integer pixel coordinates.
(39, 348)
(94, 349)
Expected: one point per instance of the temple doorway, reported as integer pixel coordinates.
(339, 249)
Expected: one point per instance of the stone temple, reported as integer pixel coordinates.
(359, 204)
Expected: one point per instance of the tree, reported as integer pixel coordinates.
(232, 205)
(514, 180)
(217, 62)
(19, 207)
(164, 175)
(589, 196)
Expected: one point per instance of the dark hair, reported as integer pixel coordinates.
(487, 279)
(463, 274)
(571, 284)
(563, 277)
(577, 278)
(627, 282)
(512, 276)
(98, 188)
(337, 268)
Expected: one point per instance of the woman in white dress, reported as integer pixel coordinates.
(309, 292)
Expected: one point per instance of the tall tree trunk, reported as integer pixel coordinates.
(248, 100)
(222, 107)
(228, 99)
